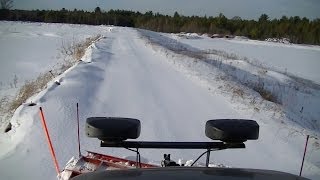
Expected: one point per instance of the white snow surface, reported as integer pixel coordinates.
(300, 60)
(125, 75)
(28, 49)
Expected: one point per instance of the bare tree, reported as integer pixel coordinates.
(6, 4)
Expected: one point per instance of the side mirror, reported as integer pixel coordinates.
(112, 129)
(232, 130)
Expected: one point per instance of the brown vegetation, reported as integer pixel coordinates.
(72, 53)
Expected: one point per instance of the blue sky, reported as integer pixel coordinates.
(246, 9)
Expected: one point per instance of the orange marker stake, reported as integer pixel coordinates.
(44, 125)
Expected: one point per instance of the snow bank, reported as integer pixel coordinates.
(30, 49)
(184, 35)
(279, 40)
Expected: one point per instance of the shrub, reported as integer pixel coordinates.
(76, 50)
(265, 94)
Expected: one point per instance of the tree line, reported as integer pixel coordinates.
(298, 30)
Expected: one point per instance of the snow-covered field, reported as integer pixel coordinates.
(299, 97)
(300, 60)
(136, 73)
(28, 49)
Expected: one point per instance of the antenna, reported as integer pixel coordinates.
(304, 154)
(44, 125)
(78, 130)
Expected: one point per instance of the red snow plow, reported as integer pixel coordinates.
(115, 131)
(97, 162)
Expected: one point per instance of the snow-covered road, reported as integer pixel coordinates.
(138, 83)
